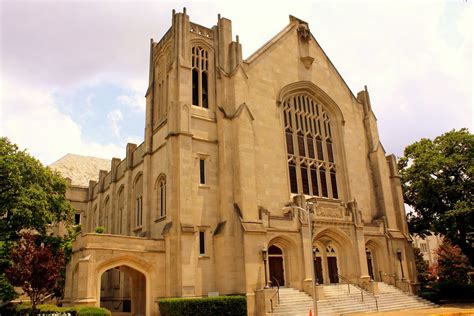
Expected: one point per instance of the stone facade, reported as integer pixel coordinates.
(234, 153)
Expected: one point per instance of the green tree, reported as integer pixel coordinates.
(421, 268)
(31, 198)
(437, 180)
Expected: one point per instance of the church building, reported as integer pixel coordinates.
(236, 154)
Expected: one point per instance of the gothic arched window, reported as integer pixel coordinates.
(200, 74)
(138, 192)
(161, 187)
(309, 147)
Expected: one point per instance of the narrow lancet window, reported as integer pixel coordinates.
(200, 80)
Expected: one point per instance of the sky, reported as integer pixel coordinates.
(73, 74)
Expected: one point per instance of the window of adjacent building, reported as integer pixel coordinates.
(202, 242)
(200, 73)
(309, 147)
(162, 196)
(202, 171)
(77, 219)
(423, 247)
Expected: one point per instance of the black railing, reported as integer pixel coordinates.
(356, 286)
(277, 293)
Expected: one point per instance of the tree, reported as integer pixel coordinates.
(31, 195)
(31, 198)
(421, 268)
(452, 265)
(438, 183)
(34, 268)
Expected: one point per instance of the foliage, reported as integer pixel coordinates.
(100, 230)
(452, 265)
(92, 311)
(32, 197)
(450, 276)
(423, 274)
(47, 308)
(34, 268)
(220, 305)
(438, 182)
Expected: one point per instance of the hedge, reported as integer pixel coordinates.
(25, 309)
(219, 305)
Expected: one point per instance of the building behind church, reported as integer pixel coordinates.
(234, 153)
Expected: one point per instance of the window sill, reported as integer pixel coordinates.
(160, 219)
(137, 229)
(204, 186)
(204, 257)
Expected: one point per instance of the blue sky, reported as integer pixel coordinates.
(74, 73)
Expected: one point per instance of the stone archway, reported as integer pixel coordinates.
(133, 293)
(284, 257)
(97, 274)
(332, 248)
(123, 291)
(375, 264)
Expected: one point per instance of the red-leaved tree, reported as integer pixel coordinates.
(452, 265)
(34, 268)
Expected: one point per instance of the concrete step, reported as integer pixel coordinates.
(338, 301)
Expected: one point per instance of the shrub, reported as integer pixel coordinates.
(92, 311)
(454, 291)
(25, 308)
(100, 229)
(219, 305)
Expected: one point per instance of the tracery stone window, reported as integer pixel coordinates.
(309, 146)
(200, 76)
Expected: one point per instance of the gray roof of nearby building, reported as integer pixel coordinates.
(80, 169)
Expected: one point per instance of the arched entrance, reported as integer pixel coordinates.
(123, 291)
(370, 263)
(276, 265)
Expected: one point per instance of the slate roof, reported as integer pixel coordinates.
(80, 169)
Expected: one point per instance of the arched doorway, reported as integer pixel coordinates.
(276, 265)
(370, 263)
(123, 291)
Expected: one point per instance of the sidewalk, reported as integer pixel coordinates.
(464, 309)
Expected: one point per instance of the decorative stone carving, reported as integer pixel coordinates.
(328, 210)
(347, 230)
(303, 32)
(201, 30)
(356, 212)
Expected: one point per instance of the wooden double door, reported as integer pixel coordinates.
(331, 269)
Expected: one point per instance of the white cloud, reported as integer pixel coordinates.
(31, 120)
(135, 101)
(115, 117)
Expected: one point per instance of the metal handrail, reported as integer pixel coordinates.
(349, 283)
(277, 293)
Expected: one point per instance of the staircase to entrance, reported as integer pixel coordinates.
(341, 299)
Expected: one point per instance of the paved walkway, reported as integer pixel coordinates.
(465, 309)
